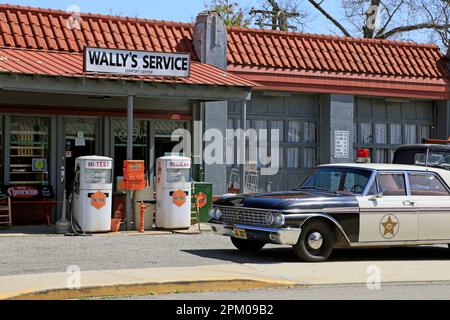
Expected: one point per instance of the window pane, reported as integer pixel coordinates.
(410, 134)
(294, 131)
(392, 184)
(424, 132)
(382, 156)
(426, 185)
(309, 157)
(396, 133)
(29, 151)
(140, 150)
(293, 159)
(355, 182)
(381, 133)
(366, 132)
(278, 125)
(310, 132)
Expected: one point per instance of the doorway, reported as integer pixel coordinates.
(79, 140)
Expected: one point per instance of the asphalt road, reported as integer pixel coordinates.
(404, 291)
(42, 254)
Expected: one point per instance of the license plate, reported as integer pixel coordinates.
(240, 233)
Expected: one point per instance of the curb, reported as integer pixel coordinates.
(147, 289)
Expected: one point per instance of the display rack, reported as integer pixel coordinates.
(26, 146)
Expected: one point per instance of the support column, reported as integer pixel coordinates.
(336, 128)
(242, 146)
(130, 120)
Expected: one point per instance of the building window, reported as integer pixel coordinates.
(424, 132)
(381, 133)
(310, 132)
(140, 143)
(29, 151)
(294, 131)
(410, 134)
(366, 132)
(293, 158)
(309, 157)
(396, 133)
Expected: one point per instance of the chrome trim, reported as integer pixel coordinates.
(398, 243)
(315, 240)
(394, 210)
(320, 215)
(285, 236)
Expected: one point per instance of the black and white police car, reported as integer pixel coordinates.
(342, 205)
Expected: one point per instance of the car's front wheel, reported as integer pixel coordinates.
(316, 241)
(247, 245)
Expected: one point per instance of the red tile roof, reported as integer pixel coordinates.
(53, 63)
(35, 28)
(290, 50)
(277, 60)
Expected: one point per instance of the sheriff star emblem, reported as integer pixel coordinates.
(389, 226)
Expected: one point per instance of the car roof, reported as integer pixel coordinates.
(424, 146)
(386, 166)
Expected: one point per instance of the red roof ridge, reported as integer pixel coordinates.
(7, 6)
(336, 37)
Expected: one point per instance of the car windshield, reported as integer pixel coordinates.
(337, 180)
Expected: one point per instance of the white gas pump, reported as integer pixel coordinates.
(92, 198)
(173, 192)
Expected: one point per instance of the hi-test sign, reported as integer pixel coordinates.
(136, 63)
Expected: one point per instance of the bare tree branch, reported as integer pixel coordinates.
(416, 27)
(390, 16)
(319, 7)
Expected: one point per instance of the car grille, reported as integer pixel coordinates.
(246, 216)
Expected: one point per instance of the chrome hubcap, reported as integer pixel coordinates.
(315, 240)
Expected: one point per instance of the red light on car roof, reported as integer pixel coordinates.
(363, 153)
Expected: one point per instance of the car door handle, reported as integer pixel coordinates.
(408, 203)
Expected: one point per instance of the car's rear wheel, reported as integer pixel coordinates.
(247, 245)
(316, 241)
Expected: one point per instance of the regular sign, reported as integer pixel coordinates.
(136, 63)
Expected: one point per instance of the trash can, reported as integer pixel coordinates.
(203, 190)
(147, 196)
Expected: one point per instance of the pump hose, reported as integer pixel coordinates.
(75, 227)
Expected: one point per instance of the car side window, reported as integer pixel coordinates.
(392, 184)
(426, 184)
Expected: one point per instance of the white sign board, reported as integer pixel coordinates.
(179, 164)
(136, 63)
(93, 164)
(341, 144)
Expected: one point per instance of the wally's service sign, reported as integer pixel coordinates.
(136, 63)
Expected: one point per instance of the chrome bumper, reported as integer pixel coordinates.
(288, 236)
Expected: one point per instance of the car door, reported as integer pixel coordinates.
(388, 214)
(432, 199)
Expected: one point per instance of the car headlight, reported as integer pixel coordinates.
(212, 212)
(269, 218)
(217, 214)
(279, 219)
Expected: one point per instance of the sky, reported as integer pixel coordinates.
(187, 10)
(174, 10)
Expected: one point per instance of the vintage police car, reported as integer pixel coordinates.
(342, 205)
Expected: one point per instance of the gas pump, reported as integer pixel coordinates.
(92, 193)
(173, 192)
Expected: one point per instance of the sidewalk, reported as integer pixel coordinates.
(30, 231)
(218, 277)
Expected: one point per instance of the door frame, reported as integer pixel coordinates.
(61, 156)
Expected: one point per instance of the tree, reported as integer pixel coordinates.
(279, 15)
(386, 19)
(231, 13)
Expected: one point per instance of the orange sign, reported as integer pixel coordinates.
(201, 199)
(98, 200)
(179, 198)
